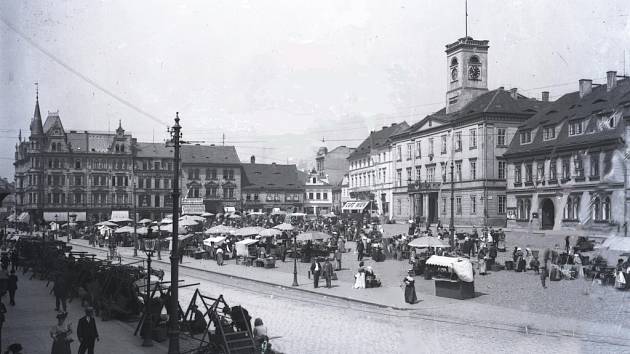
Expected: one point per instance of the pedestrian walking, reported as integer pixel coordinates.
(543, 276)
(60, 290)
(328, 272)
(87, 332)
(181, 255)
(410, 288)
(12, 287)
(567, 244)
(60, 334)
(338, 258)
(5, 261)
(360, 249)
(316, 269)
(15, 258)
(219, 254)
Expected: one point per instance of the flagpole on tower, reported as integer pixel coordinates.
(466, 4)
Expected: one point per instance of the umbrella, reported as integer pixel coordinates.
(192, 217)
(206, 214)
(169, 228)
(330, 215)
(188, 222)
(235, 216)
(123, 229)
(270, 233)
(284, 227)
(219, 229)
(145, 221)
(297, 214)
(248, 231)
(121, 220)
(142, 231)
(425, 241)
(106, 223)
(279, 212)
(166, 221)
(312, 236)
(72, 224)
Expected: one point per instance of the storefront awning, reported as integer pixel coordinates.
(62, 216)
(24, 217)
(358, 206)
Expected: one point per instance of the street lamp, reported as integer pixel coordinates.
(56, 227)
(295, 282)
(148, 247)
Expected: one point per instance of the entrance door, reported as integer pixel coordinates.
(548, 214)
(433, 208)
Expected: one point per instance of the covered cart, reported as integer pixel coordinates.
(454, 277)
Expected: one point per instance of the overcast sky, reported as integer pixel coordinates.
(278, 76)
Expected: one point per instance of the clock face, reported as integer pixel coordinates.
(454, 74)
(474, 72)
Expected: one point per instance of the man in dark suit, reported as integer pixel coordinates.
(328, 272)
(86, 331)
(316, 270)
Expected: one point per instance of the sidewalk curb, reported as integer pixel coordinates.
(363, 302)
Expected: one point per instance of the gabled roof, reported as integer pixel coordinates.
(154, 150)
(51, 121)
(204, 154)
(498, 101)
(377, 139)
(594, 107)
(270, 177)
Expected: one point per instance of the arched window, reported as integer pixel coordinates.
(117, 148)
(53, 147)
(597, 214)
(454, 62)
(122, 147)
(572, 209)
(606, 209)
(474, 60)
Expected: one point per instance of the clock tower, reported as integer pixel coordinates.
(467, 72)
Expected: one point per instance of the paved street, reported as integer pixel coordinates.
(301, 320)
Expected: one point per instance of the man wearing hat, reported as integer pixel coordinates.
(86, 331)
(316, 270)
(328, 272)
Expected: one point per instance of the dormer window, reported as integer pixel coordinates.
(526, 136)
(549, 133)
(576, 127)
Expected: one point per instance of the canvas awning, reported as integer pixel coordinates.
(355, 206)
(241, 246)
(460, 266)
(24, 217)
(216, 240)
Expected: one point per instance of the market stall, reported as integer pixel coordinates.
(454, 277)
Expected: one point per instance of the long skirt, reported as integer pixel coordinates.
(61, 346)
(482, 266)
(410, 294)
(220, 258)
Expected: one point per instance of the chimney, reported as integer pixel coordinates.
(611, 80)
(513, 93)
(252, 159)
(545, 96)
(586, 86)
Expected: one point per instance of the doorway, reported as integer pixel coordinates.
(548, 214)
(433, 208)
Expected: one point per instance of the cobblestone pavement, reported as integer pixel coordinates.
(312, 323)
(29, 321)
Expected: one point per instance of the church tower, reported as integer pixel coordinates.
(467, 72)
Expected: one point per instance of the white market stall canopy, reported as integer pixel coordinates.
(63, 216)
(214, 240)
(355, 206)
(219, 229)
(460, 266)
(241, 246)
(426, 242)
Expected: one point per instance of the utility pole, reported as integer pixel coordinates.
(133, 196)
(173, 343)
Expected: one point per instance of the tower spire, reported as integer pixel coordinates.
(36, 123)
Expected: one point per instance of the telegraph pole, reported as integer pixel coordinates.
(173, 343)
(452, 225)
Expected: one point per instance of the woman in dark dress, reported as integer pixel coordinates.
(410, 288)
(61, 335)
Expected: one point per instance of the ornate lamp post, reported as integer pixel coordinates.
(295, 282)
(148, 247)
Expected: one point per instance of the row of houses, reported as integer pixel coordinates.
(92, 176)
(500, 158)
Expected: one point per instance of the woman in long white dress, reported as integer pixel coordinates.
(359, 278)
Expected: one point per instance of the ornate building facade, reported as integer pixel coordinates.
(567, 165)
